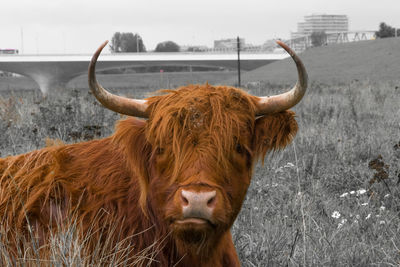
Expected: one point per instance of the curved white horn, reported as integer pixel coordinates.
(123, 105)
(278, 103)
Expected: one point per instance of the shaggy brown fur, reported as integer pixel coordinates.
(196, 137)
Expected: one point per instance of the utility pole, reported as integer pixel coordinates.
(22, 40)
(37, 45)
(238, 60)
(137, 43)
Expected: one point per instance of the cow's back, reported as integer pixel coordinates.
(85, 182)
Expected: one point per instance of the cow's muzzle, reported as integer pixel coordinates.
(197, 207)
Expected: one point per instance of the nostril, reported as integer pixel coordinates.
(211, 202)
(184, 200)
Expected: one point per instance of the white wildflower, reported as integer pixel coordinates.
(344, 194)
(336, 215)
(364, 204)
(352, 192)
(368, 216)
(382, 222)
(361, 192)
(289, 165)
(382, 208)
(342, 222)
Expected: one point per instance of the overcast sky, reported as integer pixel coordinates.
(80, 26)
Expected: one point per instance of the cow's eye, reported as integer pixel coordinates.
(239, 148)
(159, 150)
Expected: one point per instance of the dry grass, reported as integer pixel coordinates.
(306, 206)
(69, 247)
(315, 204)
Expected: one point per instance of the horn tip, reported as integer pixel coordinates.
(284, 46)
(98, 51)
(104, 43)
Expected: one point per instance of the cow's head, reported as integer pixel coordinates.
(200, 143)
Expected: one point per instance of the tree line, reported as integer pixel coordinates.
(386, 31)
(125, 42)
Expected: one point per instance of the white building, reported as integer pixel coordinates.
(319, 23)
(228, 44)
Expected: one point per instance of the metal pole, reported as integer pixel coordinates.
(238, 61)
(22, 40)
(137, 43)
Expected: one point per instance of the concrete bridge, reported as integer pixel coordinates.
(54, 71)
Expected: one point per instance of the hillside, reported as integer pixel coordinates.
(375, 60)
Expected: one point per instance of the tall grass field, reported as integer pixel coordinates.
(331, 198)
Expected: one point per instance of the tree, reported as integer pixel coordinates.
(167, 46)
(386, 31)
(126, 42)
(318, 39)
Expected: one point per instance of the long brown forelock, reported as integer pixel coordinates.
(202, 116)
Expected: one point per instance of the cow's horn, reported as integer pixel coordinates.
(278, 103)
(123, 105)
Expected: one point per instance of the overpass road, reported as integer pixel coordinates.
(54, 71)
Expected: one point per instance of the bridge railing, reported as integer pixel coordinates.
(301, 43)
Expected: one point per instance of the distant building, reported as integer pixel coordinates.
(9, 51)
(319, 23)
(269, 45)
(323, 22)
(193, 48)
(228, 44)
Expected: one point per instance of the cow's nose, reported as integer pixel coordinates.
(198, 204)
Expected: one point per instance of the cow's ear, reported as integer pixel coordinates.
(130, 137)
(273, 132)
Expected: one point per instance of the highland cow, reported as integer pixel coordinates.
(178, 178)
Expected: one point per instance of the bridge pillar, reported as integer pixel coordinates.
(48, 75)
(47, 82)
